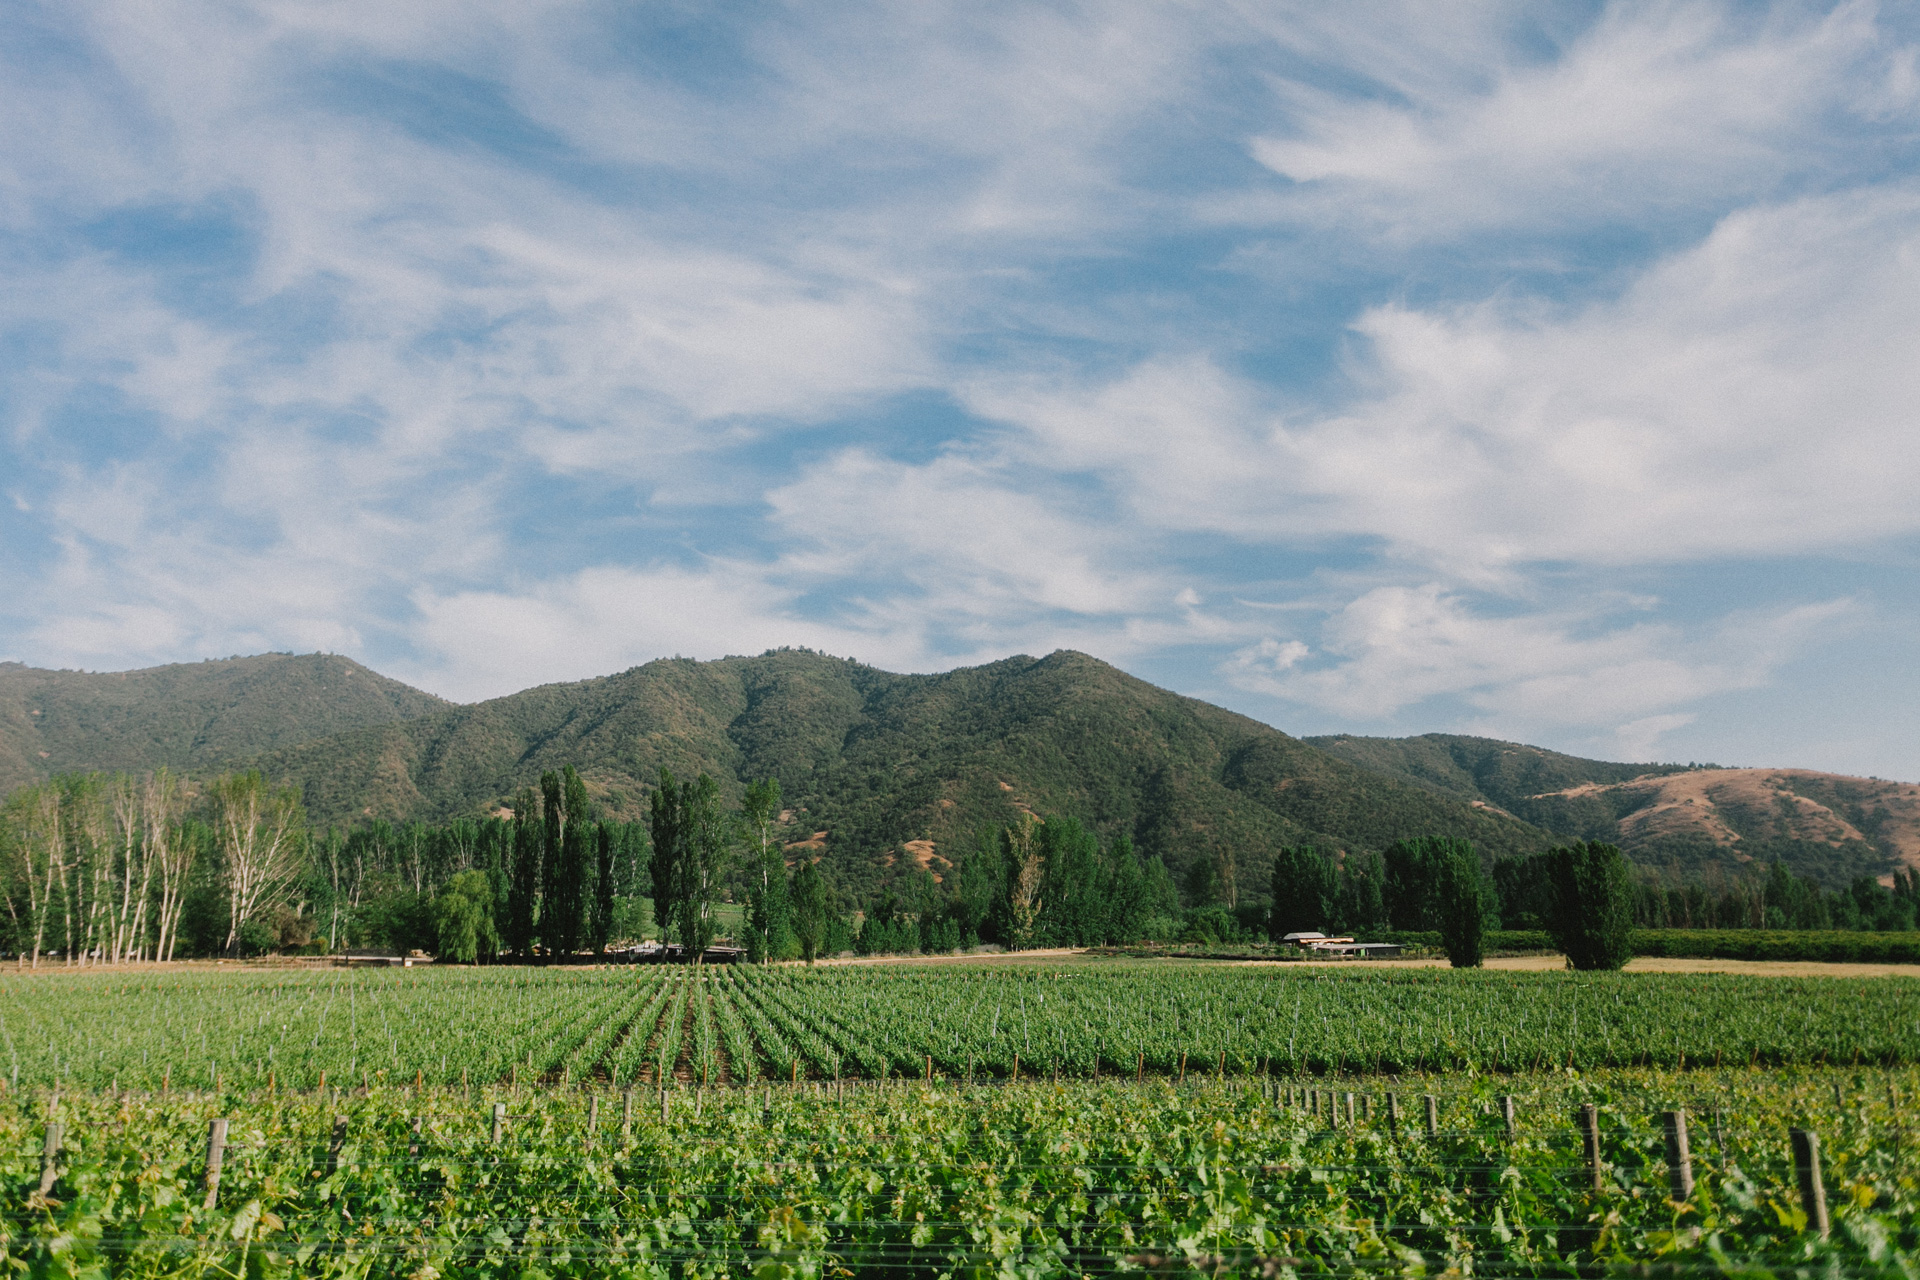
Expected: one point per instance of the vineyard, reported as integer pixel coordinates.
(738, 1024)
(994, 1120)
(1221, 1176)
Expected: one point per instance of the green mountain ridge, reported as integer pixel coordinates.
(876, 760)
(197, 716)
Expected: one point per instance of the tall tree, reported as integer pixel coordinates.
(1413, 872)
(703, 857)
(169, 852)
(553, 831)
(1073, 890)
(811, 910)
(463, 918)
(668, 826)
(1304, 888)
(37, 848)
(1462, 893)
(523, 901)
(768, 913)
(1024, 880)
(1592, 905)
(569, 846)
(603, 886)
(261, 841)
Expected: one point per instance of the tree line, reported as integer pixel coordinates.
(117, 868)
(1425, 884)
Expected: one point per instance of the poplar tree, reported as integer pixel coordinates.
(768, 908)
(576, 860)
(667, 824)
(603, 887)
(703, 854)
(1304, 885)
(523, 898)
(1592, 905)
(810, 910)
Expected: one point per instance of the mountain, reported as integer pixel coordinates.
(883, 770)
(871, 762)
(1691, 819)
(197, 716)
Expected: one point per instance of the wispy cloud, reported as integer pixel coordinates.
(506, 342)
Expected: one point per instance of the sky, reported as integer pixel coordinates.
(1543, 371)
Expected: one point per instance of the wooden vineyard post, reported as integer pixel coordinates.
(593, 1116)
(1433, 1116)
(1813, 1191)
(1349, 1109)
(796, 1072)
(1222, 1071)
(929, 1068)
(1183, 1067)
(419, 1078)
(50, 1156)
(1140, 1072)
(1679, 1153)
(216, 1156)
(499, 1121)
(1016, 1068)
(1506, 1114)
(1333, 1110)
(626, 1114)
(1590, 1140)
(1392, 1103)
(336, 1142)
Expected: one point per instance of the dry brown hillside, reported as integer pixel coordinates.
(1721, 804)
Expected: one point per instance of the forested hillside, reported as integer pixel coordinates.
(871, 762)
(199, 716)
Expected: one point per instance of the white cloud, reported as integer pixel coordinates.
(1753, 395)
(1395, 648)
(1653, 107)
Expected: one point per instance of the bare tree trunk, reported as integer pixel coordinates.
(161, 802)
(259, 836)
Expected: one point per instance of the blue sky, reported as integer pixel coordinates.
(1543, 371)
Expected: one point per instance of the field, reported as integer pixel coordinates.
(733, 1024)
(1164, 1118)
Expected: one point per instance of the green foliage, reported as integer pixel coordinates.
(199, 717)
(690, 842)
(1770, 944)
(1305, 884)
(463, 925)
(499, 1023)
(1461, 908)
(1415, 871)
(811, 911)
(1592, 920)
(876, 759)
(1224, 1178)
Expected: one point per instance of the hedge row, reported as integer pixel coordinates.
(1779, 944)
(1716, 944)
